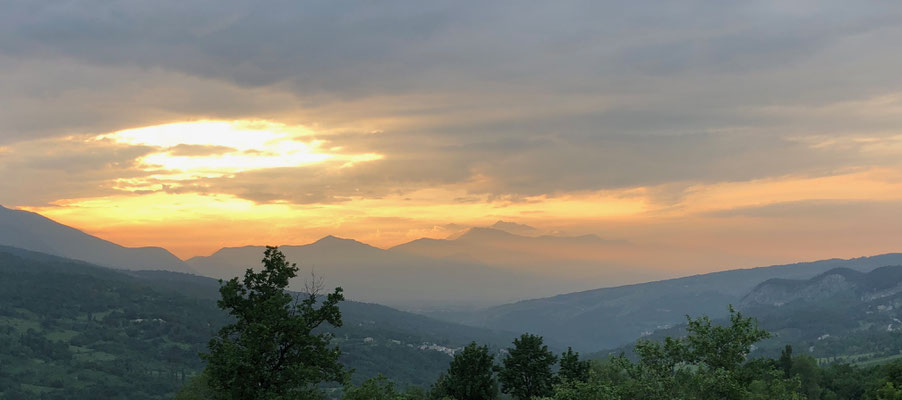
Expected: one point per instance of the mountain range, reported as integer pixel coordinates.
(610, 317)
(841, 315)
(584, 258)
(463, 278)
(31, 231)
(388, 277)
(479, 267)
(839, 312)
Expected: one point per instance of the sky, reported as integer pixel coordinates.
(732, 133)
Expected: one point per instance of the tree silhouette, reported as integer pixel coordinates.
(527, 369)
(572, 368)
(470, 376)
(271, 350)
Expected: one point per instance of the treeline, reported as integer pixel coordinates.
(272, 351)
(709, 363)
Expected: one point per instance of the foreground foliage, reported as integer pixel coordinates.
(526, 371)
(470, 376)
(710, 362)
(271, 351)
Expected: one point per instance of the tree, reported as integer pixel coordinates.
(470, 376)
(197, 388)
(572, 368)
(271, 350)
(806, 369)
(724, 347)
(718, 353)
(527, 369)
(378, 388)
(889, 392)
(786, 361)
(576, 390)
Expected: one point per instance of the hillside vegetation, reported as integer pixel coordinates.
(71, 330)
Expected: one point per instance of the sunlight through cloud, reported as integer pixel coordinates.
(214, 149)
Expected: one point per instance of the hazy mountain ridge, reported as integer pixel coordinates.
(587, 261)
(445, 280)
(478, 239)
(606, 318)
(874, 285)
(27, 230)
(839, 315)
(841, 312)
(388, 277)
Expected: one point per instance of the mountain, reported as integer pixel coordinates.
(840, 315)
(476, 242)
(588, 260)
(69, 329)
(610, 317)
(514, 227)
(392, 278)
(839, 312)
(879, 283)
(27, 230)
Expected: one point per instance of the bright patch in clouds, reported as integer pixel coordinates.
(214, 149)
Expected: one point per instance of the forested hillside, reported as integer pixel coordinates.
(112, 334)
(611, 317)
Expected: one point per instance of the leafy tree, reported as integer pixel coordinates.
(723, 347)
(572, 368)
(786, 361)
(378, 388)
(718, 353)
(806, 369)
(576, 390)
(271, 351)
(527, 369)
(709, 363)
(772, 385)
(889, 392)
(197, 388)
(470, 376)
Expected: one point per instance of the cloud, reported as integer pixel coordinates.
(188, 150)
(495, 99)
(816, 210)
(39, 172)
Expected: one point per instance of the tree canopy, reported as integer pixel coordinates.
(471, 375)
(527, 368)
(271, 350)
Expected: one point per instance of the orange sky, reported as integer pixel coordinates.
(710, 135)
(743, 223)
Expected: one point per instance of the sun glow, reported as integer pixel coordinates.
(212, 149)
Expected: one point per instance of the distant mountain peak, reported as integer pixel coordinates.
(332, 240)
(513, 227)
(480, 233)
